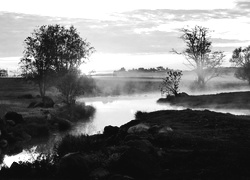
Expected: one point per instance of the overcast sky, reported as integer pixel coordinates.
(131, 33)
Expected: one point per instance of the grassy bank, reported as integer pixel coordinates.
(232, 100)
(159, 145)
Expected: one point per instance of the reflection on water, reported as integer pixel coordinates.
(27, 155)
(117, 111)
(114, 111)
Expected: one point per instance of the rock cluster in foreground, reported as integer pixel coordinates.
(160, 145)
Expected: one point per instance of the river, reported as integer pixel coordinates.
(113, 111)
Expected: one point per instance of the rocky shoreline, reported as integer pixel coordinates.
(167, 144)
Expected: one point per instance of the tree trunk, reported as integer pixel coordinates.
(41, 89)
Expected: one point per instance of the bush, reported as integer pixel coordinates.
(73, 84)
(75, 112)
(81, 143)
(139, 115)
(170, 84)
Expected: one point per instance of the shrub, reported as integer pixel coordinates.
(81, 143)
(73, 84)
(139, 115)
(75, 112)
(170, 84)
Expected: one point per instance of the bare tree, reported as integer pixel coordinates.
(199, 54)
(241, 59)
(170, 84)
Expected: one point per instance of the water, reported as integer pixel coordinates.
(117, 111)
(114, 111)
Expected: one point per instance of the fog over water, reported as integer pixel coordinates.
(114, 111)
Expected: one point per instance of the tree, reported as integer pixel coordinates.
(51, 51)
(170, 84)
(241, 59)
(199, 54)
(73, 84)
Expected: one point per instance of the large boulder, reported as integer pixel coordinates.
(139, 128)
(126, 126)
(14, 116)
(73, 166)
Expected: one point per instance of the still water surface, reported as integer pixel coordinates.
(114, 111)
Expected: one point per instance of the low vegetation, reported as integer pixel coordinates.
(160, 145)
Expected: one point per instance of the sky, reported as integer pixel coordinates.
(131, 33)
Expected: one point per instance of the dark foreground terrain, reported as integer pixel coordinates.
(159, 145)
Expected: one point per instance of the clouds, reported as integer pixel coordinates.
(243, 5)
(136, 31)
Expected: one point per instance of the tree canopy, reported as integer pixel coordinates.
(199, 55)
(53, 50)
(241, 59)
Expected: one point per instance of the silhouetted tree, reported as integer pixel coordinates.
(199, 54)
(74, 84)
(170, 84)
(241, 59)
(51, 51)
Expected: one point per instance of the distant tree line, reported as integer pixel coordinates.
(141, 69)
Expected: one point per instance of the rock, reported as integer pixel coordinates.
(165, 130)
(142, 145)
(138, 164)
(17, 118)
(73, 166)
(110, 130)
(139, 128)
(126, 126)
(48, 102)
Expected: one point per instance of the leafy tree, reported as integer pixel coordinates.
(170, 84)
(73, 84)
(199, 54)
(241, 59)
(51, 51)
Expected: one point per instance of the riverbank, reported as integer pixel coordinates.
(159, 145)
(231, 100)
